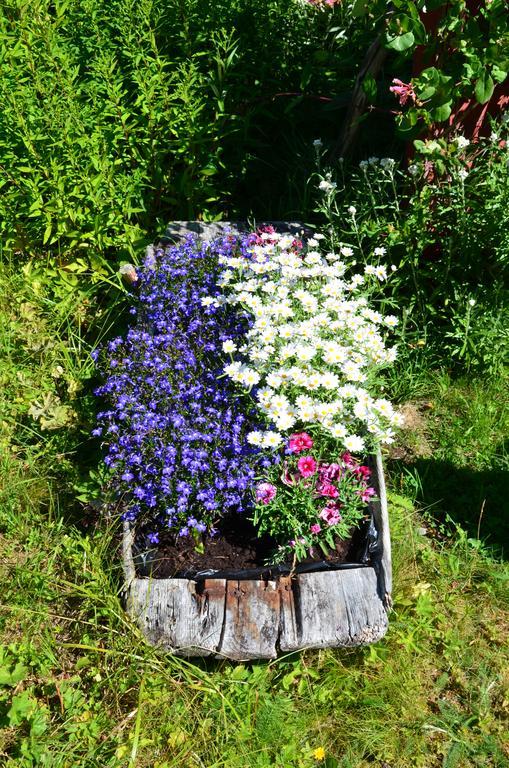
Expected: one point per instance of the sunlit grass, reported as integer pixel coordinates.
(80, 687)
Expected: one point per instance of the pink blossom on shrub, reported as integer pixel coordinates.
(327, 489)
(367, 494)
(403, 91)
(330, 514)
(316, 528)
(329, 472)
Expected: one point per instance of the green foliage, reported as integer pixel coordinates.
(120, 116)
(463, 48)
(444, 225)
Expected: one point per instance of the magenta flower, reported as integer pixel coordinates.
(327, 489)
(316, 528)
(265, 492)
(403, 91)
(307, 466)
(330, 514)
(348, 460)
(367, 494)
(329, 472)
(300, 441)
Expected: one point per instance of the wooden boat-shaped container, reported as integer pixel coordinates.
(259, 617)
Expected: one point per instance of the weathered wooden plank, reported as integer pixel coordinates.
(332, 609)
(251, 626)
(172, 615)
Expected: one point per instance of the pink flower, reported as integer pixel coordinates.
(307, 466)
(367, 494)
(327, 489)
(348, 460)
(316, 528)
(403, 91)
(329, 472)
(330, 514)
(265, 492)
(364, 472)
(301, 441)
(287, 477)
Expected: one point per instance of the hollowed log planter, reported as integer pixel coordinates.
(257, 618)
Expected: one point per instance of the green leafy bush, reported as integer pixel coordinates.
(119, 116)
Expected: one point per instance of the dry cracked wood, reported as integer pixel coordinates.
(256, 619)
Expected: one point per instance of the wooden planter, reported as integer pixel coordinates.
(258, 618)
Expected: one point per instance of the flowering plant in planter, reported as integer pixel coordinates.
(245, 388)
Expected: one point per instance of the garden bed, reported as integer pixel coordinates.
(313, 567)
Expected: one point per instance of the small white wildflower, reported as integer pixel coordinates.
(373, 160)
(391, 321)
(352, 210)
(380, 251)
(317, 143)
(463, 173)
(413, 169)
(363, 165)
(462, 142)
(471, 302)
(250, 377)
(387, 163)
(327, 186)
(207, 301)
(345, 250)
(272, 439)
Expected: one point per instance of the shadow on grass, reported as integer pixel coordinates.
(476, 500)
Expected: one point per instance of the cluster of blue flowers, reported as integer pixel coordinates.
(175, 428)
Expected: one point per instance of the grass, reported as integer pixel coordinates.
(79, 686)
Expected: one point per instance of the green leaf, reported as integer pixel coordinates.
(370, 88)
(12, 677)
(499, 74)
(22, 707)
(484, 88)
(360, 8)
(441, 112)
(401, 42)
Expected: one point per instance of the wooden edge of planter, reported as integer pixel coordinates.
(257, 618)
(208, 230)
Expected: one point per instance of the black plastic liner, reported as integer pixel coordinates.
(369, 555)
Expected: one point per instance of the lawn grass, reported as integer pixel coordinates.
(80, 687)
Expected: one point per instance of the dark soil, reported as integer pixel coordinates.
(235, 550)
